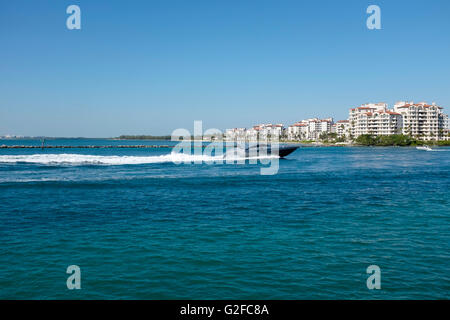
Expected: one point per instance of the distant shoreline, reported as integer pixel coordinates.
(166, 146)
(361, 141)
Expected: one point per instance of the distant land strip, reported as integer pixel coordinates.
(142, 137)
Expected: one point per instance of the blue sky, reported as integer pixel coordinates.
(149, 67)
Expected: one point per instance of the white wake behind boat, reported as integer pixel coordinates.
(425, 148)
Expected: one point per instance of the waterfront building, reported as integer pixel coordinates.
(310, 129)
(268, 131)
(297, 131)
(236, 134)
(341, 128)
(260, 131)
(423, 121)
(375, 119)
(420, 120)
(252, 134)
(316, 127)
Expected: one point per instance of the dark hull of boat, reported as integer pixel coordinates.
(281, 151)
(286, 150)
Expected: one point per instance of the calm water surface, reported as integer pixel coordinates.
(140, 226)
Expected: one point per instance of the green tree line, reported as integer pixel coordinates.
(394, 140)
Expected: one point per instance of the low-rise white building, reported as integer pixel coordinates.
(252, 134)
(269, 131)
(342, 128)
(235, 134)
(310, 129)
(258, 132)
(297, 131)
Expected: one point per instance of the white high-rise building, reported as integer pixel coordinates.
(374, 118)
(423, 121)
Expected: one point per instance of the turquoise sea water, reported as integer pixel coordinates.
(142, 227)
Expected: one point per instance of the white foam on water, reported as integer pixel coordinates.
(82, 159)
(95, 159)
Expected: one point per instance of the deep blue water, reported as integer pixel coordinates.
(159, 230)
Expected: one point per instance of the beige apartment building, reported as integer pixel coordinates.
(423, 121)
(309, 129)
(260, 131)
(298, 131)
(374, 118)
(341, 128)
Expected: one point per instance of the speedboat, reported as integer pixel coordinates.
(425, 148)
(269, 150)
